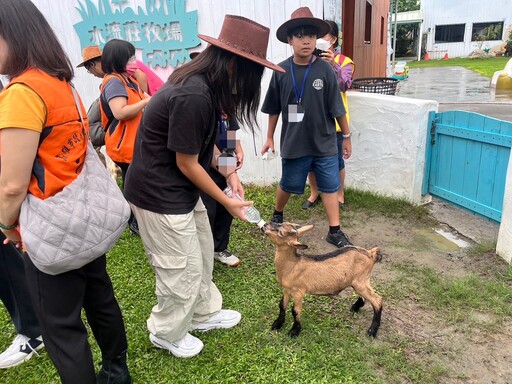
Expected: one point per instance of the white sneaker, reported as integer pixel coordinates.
(21, 349)
(225, 257)
(225, 318)
(187, 346)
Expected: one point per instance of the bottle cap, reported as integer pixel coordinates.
(261, 223)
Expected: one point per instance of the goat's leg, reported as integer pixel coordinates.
(278, 323)
(357, 305)
(365, 290)
(296, 311)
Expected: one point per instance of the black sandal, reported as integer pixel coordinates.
(308, 204)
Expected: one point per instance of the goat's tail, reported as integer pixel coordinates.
(375, 254)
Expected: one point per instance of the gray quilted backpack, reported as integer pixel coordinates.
(78, 224)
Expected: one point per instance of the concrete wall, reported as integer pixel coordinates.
(504, 246)
(389, 141)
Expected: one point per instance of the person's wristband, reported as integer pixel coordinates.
(347, 136)
(8, 227)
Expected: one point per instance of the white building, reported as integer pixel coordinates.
(459, 27)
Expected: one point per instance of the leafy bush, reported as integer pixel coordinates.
(508, 48)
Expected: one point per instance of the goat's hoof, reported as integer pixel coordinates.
(294, 333)
(277, 325)
(357, 305)
(372, 332)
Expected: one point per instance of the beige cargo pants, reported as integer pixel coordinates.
(179, 249)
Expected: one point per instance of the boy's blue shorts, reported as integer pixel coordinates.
(295, 172)
(339, 141)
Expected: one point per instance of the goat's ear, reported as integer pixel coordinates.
(305, 229)
(297, 245)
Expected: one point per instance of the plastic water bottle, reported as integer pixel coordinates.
(269, 155)
(251, 214)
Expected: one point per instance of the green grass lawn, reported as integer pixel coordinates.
(333, 348)
(486, 67)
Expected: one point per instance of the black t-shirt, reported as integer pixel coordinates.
(178, 118)
(321, 101)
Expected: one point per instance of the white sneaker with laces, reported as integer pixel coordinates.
(226, 257)
(188, 346)
(225, 318)
(21, 349)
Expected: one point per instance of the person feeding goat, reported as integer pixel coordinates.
(324, 275)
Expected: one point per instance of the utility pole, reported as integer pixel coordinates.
(394, 31)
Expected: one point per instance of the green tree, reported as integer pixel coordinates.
(407, 5)
(404, 5)
(404, 31)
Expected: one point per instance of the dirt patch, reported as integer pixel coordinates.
(470, 352)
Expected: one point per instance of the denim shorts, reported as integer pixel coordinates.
(295, 172)
(339, 141)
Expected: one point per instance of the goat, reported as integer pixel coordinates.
(326, 274)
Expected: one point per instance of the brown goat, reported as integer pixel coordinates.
(325, 275)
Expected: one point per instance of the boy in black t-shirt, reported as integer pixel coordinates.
(309, 100)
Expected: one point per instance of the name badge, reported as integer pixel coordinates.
(295, 113)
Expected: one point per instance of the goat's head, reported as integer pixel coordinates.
(286, 233)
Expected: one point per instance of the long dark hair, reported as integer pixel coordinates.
(234, 80)
(334, 31)
(116, 54)
(31, 41)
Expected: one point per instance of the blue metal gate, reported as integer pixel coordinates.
(467, 159)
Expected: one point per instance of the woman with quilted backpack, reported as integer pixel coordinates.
(43, 146)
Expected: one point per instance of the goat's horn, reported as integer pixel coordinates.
(304, 229)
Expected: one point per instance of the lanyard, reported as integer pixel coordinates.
(298, 95)
(223, 142)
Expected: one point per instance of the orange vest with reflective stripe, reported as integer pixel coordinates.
(344, 61)
(62, 145)
(120, 134)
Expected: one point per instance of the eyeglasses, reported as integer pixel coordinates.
(89, 65)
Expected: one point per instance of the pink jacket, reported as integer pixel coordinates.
(154, 82)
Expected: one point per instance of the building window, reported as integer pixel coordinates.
(368, 24)
(487, 31)
(450, 33)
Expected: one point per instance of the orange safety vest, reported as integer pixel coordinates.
(344, 61)
(63, 142)
(120, 134)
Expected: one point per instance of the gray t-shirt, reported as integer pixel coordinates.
(315, 135)
(114, 88)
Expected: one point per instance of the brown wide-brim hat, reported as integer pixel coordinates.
(245, 38)
(89, 53)
(302, 17)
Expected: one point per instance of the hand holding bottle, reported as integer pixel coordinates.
(269, 155)
(251, 214)
(237, 208)
(269, 145)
